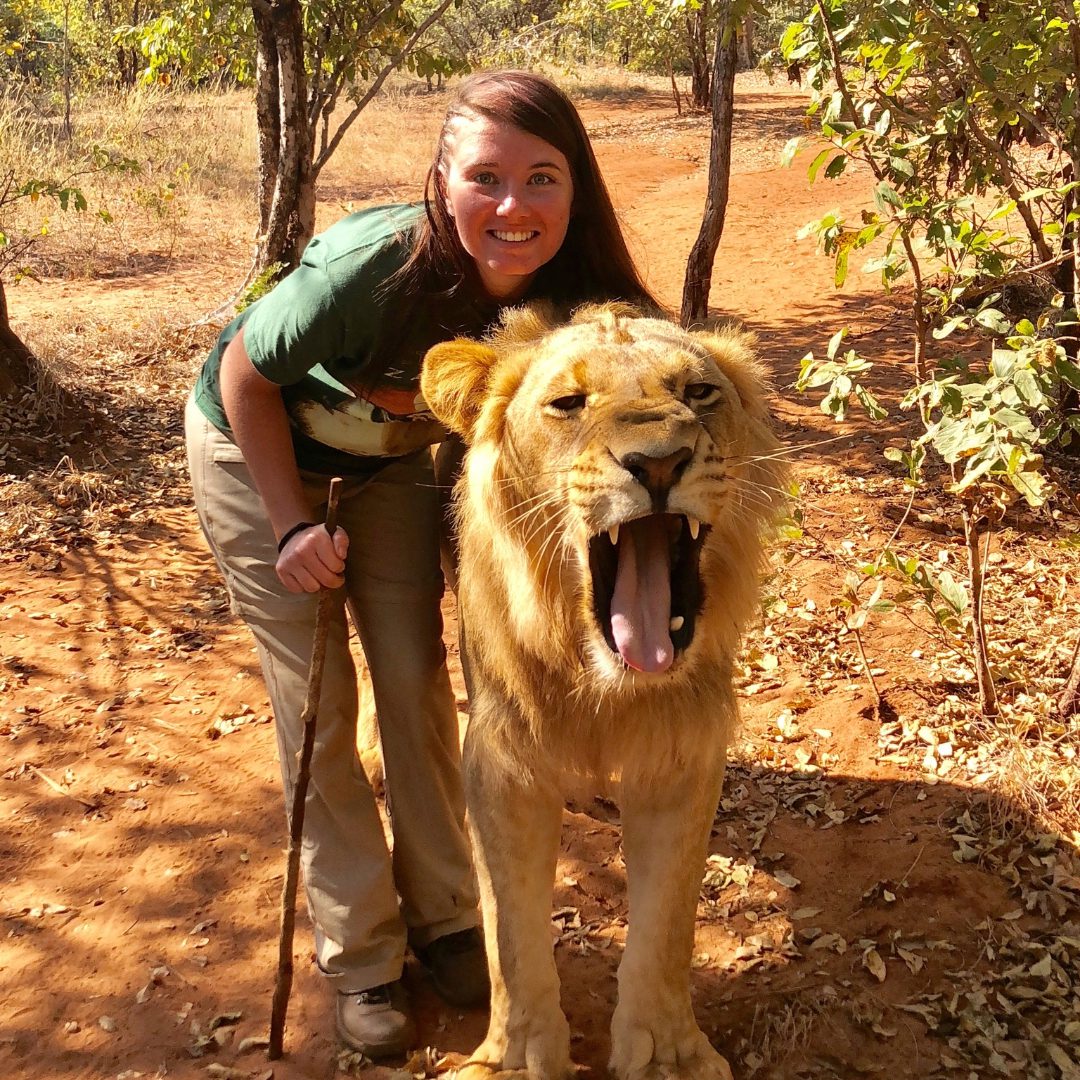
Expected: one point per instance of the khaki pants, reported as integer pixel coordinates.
(393, 587)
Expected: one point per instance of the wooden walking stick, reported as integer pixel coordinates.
(296, 818)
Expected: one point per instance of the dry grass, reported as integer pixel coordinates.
(1037, 777)
(184, 171)
(164, 155)
(101, 428)
(781, 1029)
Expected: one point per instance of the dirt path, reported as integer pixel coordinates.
(862, 911)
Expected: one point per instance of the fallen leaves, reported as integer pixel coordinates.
(873, 963)
(157, 977)
(216, 1034)
(234, 721)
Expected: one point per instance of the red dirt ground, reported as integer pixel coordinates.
(860, 915)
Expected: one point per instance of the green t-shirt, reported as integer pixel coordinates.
(313, 335)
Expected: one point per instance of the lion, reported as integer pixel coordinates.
(619, 477)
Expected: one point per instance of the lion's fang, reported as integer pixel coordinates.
(694, 526)
(613, 534)
(676, 624)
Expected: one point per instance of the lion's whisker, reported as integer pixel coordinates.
(552, 542)
(541, 520)
(517, 478)
(535, 498)
(788, 450)
(754, 498)
(542, 503)
(766, 490)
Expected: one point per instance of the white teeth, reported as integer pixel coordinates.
(514, 237)
(613, 534)
(695, 527)
(676, 623)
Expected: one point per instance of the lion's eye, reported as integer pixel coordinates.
(567, 404)
(701, 391)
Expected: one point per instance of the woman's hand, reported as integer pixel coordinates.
(311, 560)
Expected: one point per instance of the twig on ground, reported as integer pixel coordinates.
(869, 675)
(59, 789)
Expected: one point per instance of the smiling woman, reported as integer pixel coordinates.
(321, 378)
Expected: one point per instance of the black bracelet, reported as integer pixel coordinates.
(300, 526)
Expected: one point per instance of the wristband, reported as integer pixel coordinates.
(300, 526)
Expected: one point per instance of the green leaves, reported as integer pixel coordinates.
(941, 103)
(837, 164)
(922, 585)
(885, 195)
(993, 320)
(840, 377)
(67, 196)
(992, 427)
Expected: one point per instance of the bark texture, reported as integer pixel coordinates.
(287, 213)
(18, 365)
(699, 266)
(698, 47)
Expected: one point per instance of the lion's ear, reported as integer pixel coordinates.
(453, 382)
(733, 351)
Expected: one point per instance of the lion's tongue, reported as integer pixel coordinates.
(641, 603)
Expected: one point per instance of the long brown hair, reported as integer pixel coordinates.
(593, 263)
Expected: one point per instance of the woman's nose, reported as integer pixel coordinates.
(508, 204)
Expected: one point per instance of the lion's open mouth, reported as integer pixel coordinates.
(647, 589)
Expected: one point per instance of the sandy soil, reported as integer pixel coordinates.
(864, 912)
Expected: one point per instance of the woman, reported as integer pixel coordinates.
(320, 378)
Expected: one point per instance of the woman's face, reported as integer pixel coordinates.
(509, 194)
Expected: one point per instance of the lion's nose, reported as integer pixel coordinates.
(657, 475)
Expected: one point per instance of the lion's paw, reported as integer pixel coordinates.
(540, 1052)
(643, 1054)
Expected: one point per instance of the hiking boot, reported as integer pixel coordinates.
(377, 1021)
(457, 964)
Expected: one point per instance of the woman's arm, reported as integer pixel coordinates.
(260, 425)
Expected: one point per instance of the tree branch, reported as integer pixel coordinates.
(391, 66)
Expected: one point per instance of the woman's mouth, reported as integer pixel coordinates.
(518, 236)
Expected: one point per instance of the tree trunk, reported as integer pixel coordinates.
(66, 127)
(697, 42)
(266, 111)
(675, 89)
(18, 365)
(1065, 280)
(987, 691)
(747, 59)
(287, 219)
(699, 266)
(130, 59)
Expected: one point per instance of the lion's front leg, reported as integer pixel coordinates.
(665, 840)
(515, 831)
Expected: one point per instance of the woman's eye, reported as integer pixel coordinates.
(701, 391)
(484, 178)
(567, 404)
(541, 179)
